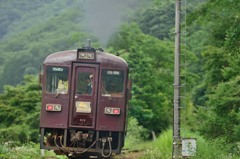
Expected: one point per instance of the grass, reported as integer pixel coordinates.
(161, 148)
(30, 150)
(206, 149)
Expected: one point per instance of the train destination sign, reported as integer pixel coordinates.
(86, 55)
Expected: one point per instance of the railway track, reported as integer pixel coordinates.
(126, 154)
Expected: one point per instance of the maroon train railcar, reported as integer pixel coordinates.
(84, 102)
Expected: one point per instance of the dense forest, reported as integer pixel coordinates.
(143, 34)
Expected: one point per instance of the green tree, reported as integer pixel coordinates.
(157, 19)
(218, 90)
(214, 62)
(225, 104)
(233, 48)
(26, 50)
(150, 63)
(20, 107)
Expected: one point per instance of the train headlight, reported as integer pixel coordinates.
(54, 107)
(112, 111)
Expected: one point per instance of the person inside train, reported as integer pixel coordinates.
(90, 84)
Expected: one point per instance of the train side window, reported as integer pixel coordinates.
(85, 83)
(57, 79)
(112, 83)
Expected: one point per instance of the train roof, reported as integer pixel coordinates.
(69, 56)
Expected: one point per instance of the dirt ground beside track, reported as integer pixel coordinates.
(129, 155)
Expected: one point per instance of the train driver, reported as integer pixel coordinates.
(90, 84)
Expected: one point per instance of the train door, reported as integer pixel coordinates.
(84, 96)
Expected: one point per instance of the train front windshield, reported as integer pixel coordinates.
(57, 79)
(112, 83)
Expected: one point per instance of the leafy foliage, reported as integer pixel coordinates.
(135, 133)
(209, 149)
(150, 65)
(218, 91)
(22, 52)
(225, 119)
(20, 112)
(157, 22)
(26, 151)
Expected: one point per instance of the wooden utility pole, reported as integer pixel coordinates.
(176, 153)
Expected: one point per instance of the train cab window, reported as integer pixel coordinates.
(85, 83)
(57, 79)
(112, 83)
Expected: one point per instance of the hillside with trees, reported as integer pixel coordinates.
(144, 37)
(28, 41)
